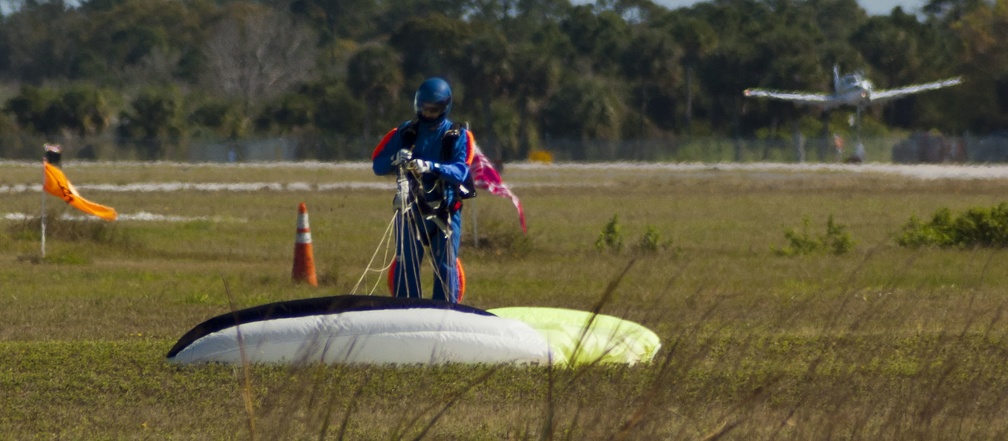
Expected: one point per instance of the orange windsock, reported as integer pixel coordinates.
(304, 260)
(57, 185)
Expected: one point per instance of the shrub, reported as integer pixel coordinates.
(799, 242)
(836, 240)
(983, 227)
(651, 241)
(611, 236)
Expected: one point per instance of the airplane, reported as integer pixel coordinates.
(851, 90)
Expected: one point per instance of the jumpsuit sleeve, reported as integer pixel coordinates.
(381, 158)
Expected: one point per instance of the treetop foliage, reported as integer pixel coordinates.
(524, 72)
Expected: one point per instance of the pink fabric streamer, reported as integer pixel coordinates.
(486, 177)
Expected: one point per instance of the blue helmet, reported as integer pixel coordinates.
(433, 99)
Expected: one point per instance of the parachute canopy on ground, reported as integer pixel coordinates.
(355, 329)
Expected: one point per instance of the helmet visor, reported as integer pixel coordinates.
(430, 110)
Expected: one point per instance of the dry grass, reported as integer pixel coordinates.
(880, 343)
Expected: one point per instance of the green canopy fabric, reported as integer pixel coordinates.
(608, 339)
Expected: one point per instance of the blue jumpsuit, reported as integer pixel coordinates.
(410, 241)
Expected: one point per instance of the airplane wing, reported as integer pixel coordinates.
(820, 99)
(888, 94)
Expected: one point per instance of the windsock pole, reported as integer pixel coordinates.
(53, 154)
(43, 214)
(304, 260)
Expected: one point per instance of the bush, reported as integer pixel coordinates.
(836, 240)
(651, 241)
(611, 236)
(977, 227)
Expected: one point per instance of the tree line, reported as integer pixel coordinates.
(154, 79)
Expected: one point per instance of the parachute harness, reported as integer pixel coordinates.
(407, 206)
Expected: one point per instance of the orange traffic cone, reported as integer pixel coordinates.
(304, 260)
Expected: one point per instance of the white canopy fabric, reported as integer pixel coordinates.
(403, 336)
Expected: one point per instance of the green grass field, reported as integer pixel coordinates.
(883, 342)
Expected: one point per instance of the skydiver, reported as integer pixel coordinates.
(431, 156)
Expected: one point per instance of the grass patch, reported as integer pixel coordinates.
(60, 227)
(880, 342)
